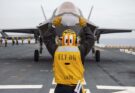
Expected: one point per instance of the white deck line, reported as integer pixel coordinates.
(21, 86)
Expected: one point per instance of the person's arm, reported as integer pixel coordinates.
(87, 41)
(49, 39)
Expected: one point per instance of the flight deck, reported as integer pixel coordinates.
(20, 74)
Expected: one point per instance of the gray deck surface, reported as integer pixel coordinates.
(17, 67)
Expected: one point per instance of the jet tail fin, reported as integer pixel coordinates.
(90, 12)
(43, 12)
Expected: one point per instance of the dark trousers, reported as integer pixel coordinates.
(60, 88)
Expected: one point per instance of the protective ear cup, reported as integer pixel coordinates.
(57, 21)
(82, 21)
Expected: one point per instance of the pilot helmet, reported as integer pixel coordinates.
(69, 38)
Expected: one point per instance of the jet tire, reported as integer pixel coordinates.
(97, 56)
(36, 56)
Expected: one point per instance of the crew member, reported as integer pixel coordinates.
(22, 39)
(0, 41)
(6, 41)
(13, 42)
(86, 43)
(68, 68)
(17, 41)
(29, 40)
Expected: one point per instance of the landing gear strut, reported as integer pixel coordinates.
(38, 52)
(41, 45)
(36, 56)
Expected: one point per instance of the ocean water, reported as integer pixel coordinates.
(116, 41)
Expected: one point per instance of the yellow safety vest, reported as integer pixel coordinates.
(68, 68)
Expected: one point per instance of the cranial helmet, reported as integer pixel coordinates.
(69, 38)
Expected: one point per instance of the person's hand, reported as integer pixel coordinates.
(82, 22)
(58, 40)
(57, 21)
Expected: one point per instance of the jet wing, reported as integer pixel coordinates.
(108, 31)
(27, 31)
(98, 31)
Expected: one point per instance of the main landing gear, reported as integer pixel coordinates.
(38, 52)
(96, 54)
(36, 55)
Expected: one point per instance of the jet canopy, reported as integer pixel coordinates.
(67, 7)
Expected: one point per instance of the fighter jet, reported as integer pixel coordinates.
(67, 8)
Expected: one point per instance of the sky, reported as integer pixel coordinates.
(106, 13)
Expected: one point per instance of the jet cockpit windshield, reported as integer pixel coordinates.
(68, 7)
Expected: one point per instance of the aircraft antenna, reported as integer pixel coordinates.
(43, 12)
(90, 13)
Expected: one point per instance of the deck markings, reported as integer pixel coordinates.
(118, 89)
(21, 86)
